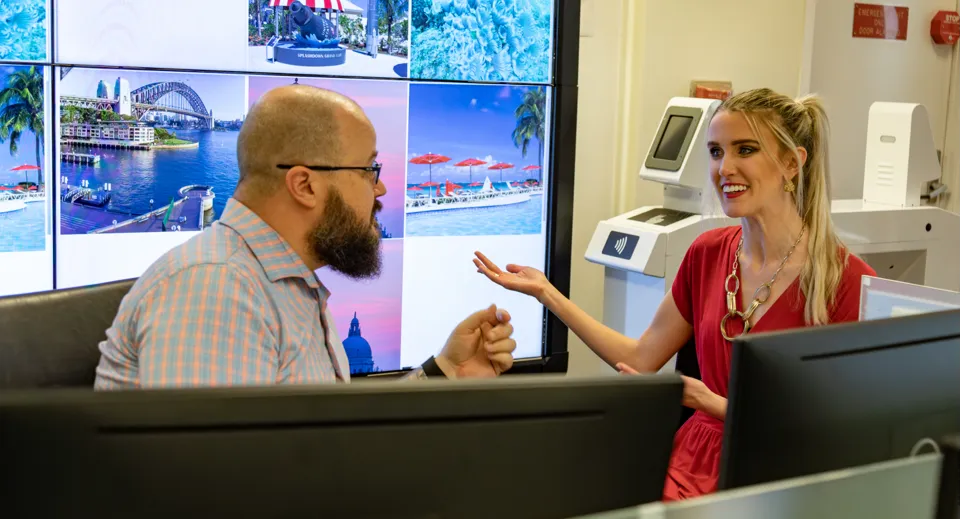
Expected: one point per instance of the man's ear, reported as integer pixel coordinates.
(303, 186)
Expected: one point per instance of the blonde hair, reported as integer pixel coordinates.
(803, 123)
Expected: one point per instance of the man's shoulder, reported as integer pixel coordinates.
(218, 249)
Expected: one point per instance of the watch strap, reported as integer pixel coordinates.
(431, 368)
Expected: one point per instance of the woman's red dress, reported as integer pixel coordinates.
(699, 293)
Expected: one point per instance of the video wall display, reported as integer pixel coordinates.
(493, 162)
(122, 144)
(169, 165)
(26, 260)
(23, 30)
(464, 40)
(482, 40)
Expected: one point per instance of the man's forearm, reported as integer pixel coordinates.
(416, 374)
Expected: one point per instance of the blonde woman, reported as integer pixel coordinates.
(783, 267)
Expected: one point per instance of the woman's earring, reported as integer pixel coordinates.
(789, 186)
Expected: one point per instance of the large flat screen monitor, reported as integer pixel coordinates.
(124, 119)
(517, 447)
(831, 397)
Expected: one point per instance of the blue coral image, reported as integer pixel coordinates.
(23, 30)
(482, 40)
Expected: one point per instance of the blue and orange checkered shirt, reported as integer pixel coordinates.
(234, 305)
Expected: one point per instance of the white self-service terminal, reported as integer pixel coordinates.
(892, 230)
(892, 227)
(642, 249)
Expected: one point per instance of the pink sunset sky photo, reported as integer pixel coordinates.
(378, 303)
(385, 103)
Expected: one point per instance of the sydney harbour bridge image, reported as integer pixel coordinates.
(163, 97)
(145, 159)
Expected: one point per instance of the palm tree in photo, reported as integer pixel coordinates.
(531, 119)
(70, 114)
(393, 10)
(22, 109)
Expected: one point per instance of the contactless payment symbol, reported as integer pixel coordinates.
(620, 245)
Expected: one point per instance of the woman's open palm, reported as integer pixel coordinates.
(526, 280)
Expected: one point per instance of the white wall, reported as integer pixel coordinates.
(596, 156)
(951, 163)
(635, 56)
(752, 43)
(852, 73)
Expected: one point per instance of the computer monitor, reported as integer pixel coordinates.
(524, 446)
(884, 298)
(831, 397)
(947, 498)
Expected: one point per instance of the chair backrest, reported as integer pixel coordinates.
(687, 365)
(50, 339)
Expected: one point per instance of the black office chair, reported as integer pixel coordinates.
(50, 339)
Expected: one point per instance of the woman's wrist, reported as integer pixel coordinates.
(548, 297)
(715, 405)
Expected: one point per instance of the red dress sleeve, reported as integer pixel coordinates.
(682, 285)
(849, 295)
(701, 271)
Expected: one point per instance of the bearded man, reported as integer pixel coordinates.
(240, 303)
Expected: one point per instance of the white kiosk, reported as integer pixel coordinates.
(890, 228)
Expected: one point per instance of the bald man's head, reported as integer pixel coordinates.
(324, 199)
(299, 125)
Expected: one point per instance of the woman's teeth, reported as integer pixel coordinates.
(734, 188)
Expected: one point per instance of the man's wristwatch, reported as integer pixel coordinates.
(431, 368)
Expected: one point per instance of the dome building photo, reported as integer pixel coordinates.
(357, 349)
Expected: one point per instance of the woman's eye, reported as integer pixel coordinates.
(715, 152)
(747, 150)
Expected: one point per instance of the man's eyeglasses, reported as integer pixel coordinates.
(375, 168)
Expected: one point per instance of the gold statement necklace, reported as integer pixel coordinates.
(761, 294)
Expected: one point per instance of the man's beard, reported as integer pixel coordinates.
(344, 242)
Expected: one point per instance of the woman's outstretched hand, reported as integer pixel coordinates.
(526, 280)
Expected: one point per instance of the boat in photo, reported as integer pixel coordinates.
(10, 204)
(16, 199)
(457, 197)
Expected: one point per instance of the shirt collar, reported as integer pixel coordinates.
(274, 254)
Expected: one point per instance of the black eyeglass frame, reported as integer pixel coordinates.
(376, 168)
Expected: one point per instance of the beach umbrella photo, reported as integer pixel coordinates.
(500, 166)
(25, 168)
(469, 163)
(430, 158)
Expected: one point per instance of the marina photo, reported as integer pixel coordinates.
(23, 211)
(146, 151)
(476, 160)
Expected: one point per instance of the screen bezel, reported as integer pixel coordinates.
(652, 162)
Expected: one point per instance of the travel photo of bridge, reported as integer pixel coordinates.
(146, 151)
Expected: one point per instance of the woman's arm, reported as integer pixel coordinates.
(663, 338)
(697, 396)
